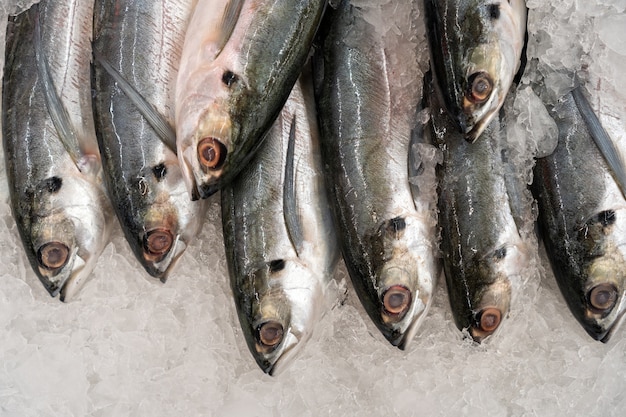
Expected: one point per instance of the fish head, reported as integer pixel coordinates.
(278, 309)
(599, 301)
(207, 132)
(160, 220)
(406, 272)
(476, 61)
(70, 229)
(490, 301)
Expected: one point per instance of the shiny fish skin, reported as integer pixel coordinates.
(54, 171)
(278, 276)
(582, 215)
(483, 250)
(368, 95)
(142, 41)
(235, 75)
(469, 38)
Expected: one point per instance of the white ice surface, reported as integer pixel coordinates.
(129, 346)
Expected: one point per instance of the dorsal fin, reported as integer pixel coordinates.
(161, 126)
(603, 141)
(229, 20)
(58, 113)
(290, 210)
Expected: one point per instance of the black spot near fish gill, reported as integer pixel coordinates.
(606, 218)
(276, 265)
(52, 184)
(494, 11)
(396, 225)
(499, 253)
(229, 78)
(159, 171)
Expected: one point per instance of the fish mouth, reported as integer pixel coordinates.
(161, 267)
(290, 347)
(616, 325)
(74, 282)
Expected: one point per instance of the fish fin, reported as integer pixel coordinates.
(161, 126)
(58, 113)
(290, 210)
(603, 141)
(229, 20)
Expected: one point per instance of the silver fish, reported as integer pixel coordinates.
(483, 251)
(476, 47)
(53, 165)
(582, 214)
(239, 63)
(280, 241)
(137, 47)
(368, 83)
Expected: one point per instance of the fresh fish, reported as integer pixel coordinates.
(239, 63)
(582, 214)
(53, 165)
(280, 241)
(484, 254)
(476, 48)
(137, 47)
(368, 83)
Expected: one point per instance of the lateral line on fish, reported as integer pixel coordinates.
(163, 129)
(290, 213)
(57, 111)
(229, 20)
(601, 138)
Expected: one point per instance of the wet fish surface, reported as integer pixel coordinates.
(240, 60)
(380, 176)
(137, 47)
(582, 214)
(476, 47)
(280, 241)
(53, 165)
(483, 252)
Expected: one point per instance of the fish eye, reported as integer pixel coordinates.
(158, 242)
(602, 297)
(211, 153)
(489, 319)
(480, 87)
(53, 255)
(396, 300)
(270, 334)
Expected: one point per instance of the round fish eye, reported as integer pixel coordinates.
(480, 87)
(211, 153)
(270, 334)
(53, 255)
(602, 297)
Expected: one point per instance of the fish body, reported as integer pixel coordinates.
(483, 251)
(137, 47)
(368, 88)
(582, 215)
(57, 194)
(280, 241)
(476, 47)
(240, 60)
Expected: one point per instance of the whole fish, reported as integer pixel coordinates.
(476, 47)
(53, 165)
(240, 60)
(582, 215)
(483, 251)
(280, 241)
(137, 47)
(381, 183)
